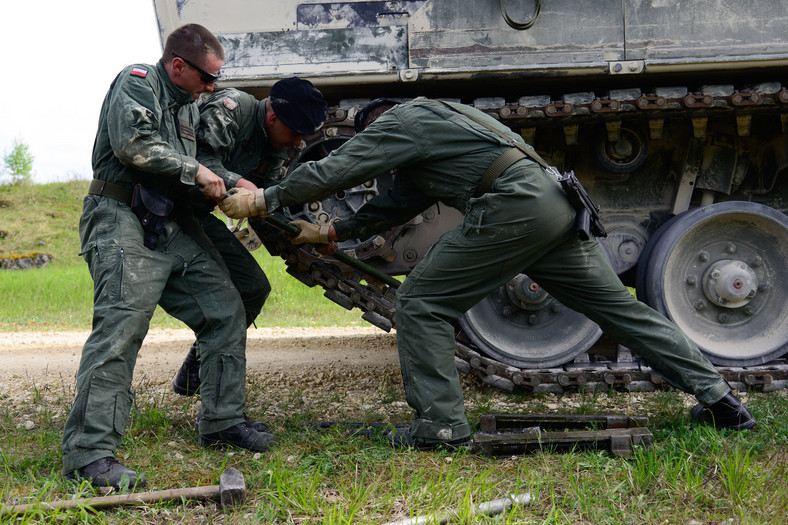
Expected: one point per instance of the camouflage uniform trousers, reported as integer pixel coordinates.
(129, 280)
(524, 225)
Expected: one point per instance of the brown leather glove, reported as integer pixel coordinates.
(241, 203)
(311, 233)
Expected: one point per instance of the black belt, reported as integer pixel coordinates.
(113, 191)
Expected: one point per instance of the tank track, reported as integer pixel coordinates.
(530, 113)
(590, 372)
(618, 369)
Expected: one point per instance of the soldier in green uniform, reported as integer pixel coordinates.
(143, 247)
(245, 141)
(522, 223)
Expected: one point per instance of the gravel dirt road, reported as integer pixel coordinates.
(49, 360)
(43, 354)
(336, 373)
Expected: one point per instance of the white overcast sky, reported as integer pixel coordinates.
(60, 56)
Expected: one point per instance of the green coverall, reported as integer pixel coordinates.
(146, 136)
(523, 224)
(232, 142)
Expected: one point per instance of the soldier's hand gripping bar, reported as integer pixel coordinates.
(364, 268)
(588, 221)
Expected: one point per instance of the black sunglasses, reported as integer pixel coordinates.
(205, 77)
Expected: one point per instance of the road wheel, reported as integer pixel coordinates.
(719, 272)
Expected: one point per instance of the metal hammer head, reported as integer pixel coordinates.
(232, 488)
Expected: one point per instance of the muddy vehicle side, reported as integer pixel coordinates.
(673, 114)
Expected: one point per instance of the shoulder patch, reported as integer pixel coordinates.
(230, 104)
(139, 72)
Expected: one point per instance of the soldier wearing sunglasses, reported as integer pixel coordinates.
(144, 162)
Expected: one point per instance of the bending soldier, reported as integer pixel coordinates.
(441, 154)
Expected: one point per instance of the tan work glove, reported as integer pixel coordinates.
(241, 203)
(311, 233)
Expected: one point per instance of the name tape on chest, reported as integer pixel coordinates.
(186, 130)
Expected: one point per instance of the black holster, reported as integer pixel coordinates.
(588, 222)
(153, 210)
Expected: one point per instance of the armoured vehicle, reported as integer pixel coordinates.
(673, 113)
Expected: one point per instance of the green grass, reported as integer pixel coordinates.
(327, 477)
(45, 218)
(692, 474)
(61, 297)
(42, 218)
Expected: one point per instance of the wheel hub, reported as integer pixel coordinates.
(526, 294)
(725, 292)
(625, 154)
(621, 150)
(730, 283)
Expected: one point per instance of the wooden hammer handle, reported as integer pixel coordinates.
(140, 498)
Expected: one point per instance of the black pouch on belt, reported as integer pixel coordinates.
(153, 210)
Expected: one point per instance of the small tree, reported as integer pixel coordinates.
(19, 163)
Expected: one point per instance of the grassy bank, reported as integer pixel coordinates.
(45, 218)
(60, 297)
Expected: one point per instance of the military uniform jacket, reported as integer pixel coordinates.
(232, 141)
(439, 155)
(146, 132)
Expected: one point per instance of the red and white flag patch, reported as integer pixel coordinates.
(230, 104)
(139, 72)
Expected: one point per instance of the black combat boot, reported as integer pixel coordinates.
(108, 472)
(187, 381)
(257, 425)
(241, 435)
(728, 412)
(402, 438)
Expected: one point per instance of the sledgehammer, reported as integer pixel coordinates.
(230, 491)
